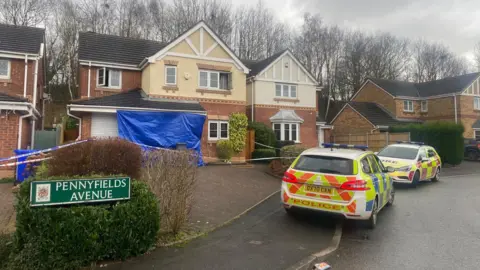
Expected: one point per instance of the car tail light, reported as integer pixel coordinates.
(478, 146)
(289, 178)
(410, 175)
(355, 185)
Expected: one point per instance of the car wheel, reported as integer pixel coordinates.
(436, 178)
(372, 221)
(416, 179)
(391, 196)
(472, 155)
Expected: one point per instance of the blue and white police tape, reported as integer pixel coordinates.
(338, 145)
(268, 146)
(24, 162)
(43, 151)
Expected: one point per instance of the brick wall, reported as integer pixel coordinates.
(26, 133)
(14, 86)
(308, 129)
(8, 135)
(350, 121)
(400, 113)
(130, 79)
(371, 93)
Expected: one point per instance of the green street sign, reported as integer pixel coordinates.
(77, 191)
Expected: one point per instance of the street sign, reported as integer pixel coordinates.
(75, 191)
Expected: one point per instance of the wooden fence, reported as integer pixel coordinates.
(375, 141)
(250, 144)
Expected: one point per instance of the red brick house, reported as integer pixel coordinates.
(22, 81)
(381, 103)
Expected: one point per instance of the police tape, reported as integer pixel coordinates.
(43, 151)
(24, 162)
(268, 146)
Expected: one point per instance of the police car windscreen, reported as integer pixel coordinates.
(399, 152)
(321, 164)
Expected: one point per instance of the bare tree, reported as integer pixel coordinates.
(476, 54)
(24, 12)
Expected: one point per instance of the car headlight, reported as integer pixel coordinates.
(404, 169)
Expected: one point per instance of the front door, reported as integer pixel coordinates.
(321, 136)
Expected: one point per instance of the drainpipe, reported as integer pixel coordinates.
(253, 99)
(35, 89)
(79, 123)
(25, 77)
(455, 106)
(89, 66)
(20, 124)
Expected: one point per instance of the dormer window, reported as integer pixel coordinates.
(4, 69)
(109, 78)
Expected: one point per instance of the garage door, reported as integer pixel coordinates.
(104, 125)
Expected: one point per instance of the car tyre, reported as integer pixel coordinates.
(372, 221)
(436, 178)
(391, 196)
(416, 179)
(472, 155)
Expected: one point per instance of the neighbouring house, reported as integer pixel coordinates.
(196, 73)
(327, 109)
(380, 103)
(282, 94)
(22, 81)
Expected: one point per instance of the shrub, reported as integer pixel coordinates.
(224, 150)
(264, 153)
(263, 135)
(68, 237)
(172, 176)
(238, 131)
(290, 152)
(281, 144)
(112, 156)
(445, 137)
(6, 246)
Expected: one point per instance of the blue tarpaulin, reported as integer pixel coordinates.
(22, 174)
(162, 129)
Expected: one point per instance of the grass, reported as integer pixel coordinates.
(7, 180)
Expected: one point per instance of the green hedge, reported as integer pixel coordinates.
(225, 150)
(263, 134)
(68, 237)
(290, 152)
(445, 137)
(264, 153)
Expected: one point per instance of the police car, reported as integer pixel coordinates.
(339, 179)
(413, 162)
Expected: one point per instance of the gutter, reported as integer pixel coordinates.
(25, 77)
(24, 106)
(112, 109)
(79, 123)
(252, 79)
(35, 89)
(88, 87)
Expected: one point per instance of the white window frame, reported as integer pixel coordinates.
(219, 130)
(166, 77)
(9, 68)
(110, 78)
(476, 103)
(209, 80)
(289, 90)
(282, 130)
(424, 108)
(407, 109)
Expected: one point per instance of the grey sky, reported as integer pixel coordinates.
(455, 23)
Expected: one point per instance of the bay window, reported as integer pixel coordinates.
(287, 131)
(109, 78)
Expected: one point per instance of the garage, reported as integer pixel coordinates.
(104, 125)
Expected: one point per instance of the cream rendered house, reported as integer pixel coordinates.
(195, 73)
(282, 94)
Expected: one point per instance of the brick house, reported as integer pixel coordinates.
(21, 87)
(381, 103)
(282, 94)
(195, 73)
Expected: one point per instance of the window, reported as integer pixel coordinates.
(476, 103)
(171, 75)
(285, 90)
(365, 166)
(215, 80)
(217, 130)
(424, 106)
(287, 131)
(422, 154)
(408, 106)
(477, 135)
(110, 78)
(373, 163)
(431, 153)
(380, 164)
(323, 164)
(4, 69)
(400, 152)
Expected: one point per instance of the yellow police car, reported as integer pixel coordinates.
(413, 162)
(339, 179)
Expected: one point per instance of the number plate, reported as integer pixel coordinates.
(317, 189)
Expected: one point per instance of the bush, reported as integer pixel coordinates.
(172, 176)
(6, 246)
(238, 131)
(281, 144)
(290, 152)
(445, 137)
(264, 153)
(112, 156)
(263, 135)
(68, 237)
(224, 150)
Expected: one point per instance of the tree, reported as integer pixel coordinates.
(24, 12)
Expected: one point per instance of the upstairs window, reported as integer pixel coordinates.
(109, 78)
(285, 90)
(424, 106)
(408, 106)
(476, 103)
(170, 75)
(215, 80)
(4, 69)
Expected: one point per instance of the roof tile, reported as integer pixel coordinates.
(21, 39)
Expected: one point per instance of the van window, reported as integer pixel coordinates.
(323, 164)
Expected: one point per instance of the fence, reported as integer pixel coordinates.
(48, 138)
(375, 141)
(250, 144)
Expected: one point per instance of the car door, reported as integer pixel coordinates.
(379, 178)
(432, 163)
(423, 163)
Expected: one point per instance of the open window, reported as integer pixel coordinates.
(109, 78)
(215, 80)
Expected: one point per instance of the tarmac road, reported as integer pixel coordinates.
(435, 226)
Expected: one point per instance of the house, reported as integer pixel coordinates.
(196, 73)
(22, 80)
(380, 103)
(282, 94)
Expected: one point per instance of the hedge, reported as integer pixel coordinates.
(224, 150)
(445, 137)
(264, 153)
(263, 134)
(69, 237)
(290, 152)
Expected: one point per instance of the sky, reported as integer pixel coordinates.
(455, 23)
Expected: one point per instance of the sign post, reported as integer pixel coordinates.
(76, 191)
